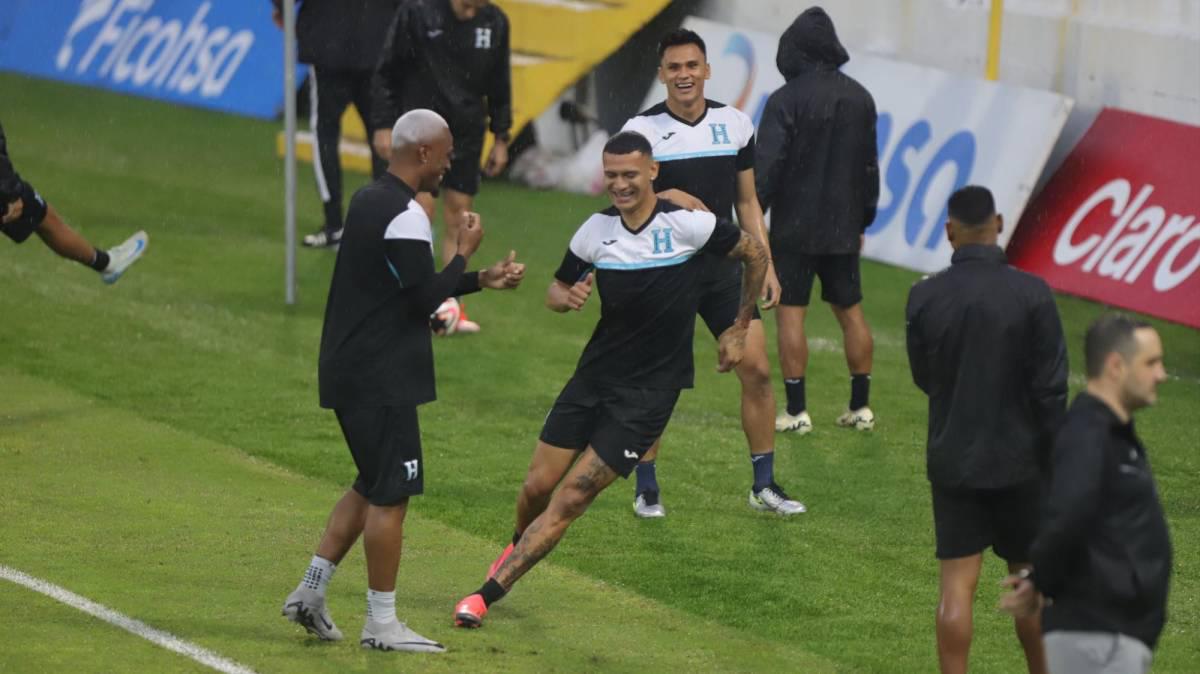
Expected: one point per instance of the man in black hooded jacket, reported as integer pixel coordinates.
(817, 172)
(341, 40)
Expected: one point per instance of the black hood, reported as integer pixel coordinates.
(809, 44)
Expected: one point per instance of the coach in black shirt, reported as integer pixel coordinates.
(376, 366)
(1103, 552)
(985, 344)
(453, 57)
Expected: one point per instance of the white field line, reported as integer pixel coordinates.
(165, 639)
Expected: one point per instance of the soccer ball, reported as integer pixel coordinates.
(444, 321)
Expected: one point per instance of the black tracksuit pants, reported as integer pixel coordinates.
(330, 91)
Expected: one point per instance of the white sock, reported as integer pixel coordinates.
(381, 606)
(319, 573)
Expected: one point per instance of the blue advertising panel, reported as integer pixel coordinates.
(220, 54)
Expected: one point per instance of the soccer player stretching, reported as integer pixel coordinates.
(647, 256)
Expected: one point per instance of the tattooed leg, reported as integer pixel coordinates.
(587, 478)
(546, 469)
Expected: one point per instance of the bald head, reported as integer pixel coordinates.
(421, 147)
(417, 127)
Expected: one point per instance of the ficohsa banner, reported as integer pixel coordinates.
(1118, 221)
(223, 55)
(936, 132)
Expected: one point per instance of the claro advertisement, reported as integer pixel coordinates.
(1117, 222)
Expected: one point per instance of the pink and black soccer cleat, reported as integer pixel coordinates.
(499, 561)
(470, 611)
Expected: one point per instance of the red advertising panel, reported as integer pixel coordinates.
(1120, 221)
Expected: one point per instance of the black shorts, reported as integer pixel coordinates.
(968, 521)
(463, 175)
(386, 445)
(33, 211)
(721, 296)
(841, 282)
(620, 423)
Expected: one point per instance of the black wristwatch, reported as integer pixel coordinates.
(503, 137)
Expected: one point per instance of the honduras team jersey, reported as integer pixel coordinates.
(703, 157)
(648, 282)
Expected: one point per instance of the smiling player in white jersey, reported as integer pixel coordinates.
(705, 151)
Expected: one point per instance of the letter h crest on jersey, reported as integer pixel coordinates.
(483, 38)
(720, 134)
(662, 240)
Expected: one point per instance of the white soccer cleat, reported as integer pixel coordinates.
(323, 239)
(773, 499)
(789, 423)
(120, 257)
(647, 505)
(396, 636)
(861, 419)
(307, 608)
(446, 318)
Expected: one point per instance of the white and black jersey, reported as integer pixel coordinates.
(375, 345)
(648, 279)
(702, 158)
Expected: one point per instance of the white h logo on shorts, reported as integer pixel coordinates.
(412, 468)
(483, 38)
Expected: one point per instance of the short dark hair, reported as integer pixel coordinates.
(1108, 334)
(972, 205)
(678, 37)
(628, 142)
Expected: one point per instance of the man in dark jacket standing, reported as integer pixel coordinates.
(817, 172)
(985, 344)
(1102, 556)
(452, 57)
(341, 40)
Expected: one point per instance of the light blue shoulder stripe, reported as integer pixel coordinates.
(649, 264)
(693, 155)
(393, 268)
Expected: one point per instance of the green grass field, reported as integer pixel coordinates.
(162, 451)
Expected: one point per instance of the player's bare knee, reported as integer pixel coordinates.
(537, 487)
(755, 376)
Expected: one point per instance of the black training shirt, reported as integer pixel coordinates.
(1103, 551)
(648, 284)
(376, 347)
(986, 345)
(432, 60)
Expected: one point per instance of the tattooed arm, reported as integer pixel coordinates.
(754, 259)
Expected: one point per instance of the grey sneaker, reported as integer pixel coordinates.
(793, 423)
(307, 608)
(861, 419)
(646, 505)
(397, 636)
(773, 499)
(120, 257)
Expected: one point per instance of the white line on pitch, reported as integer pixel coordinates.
(165, 639)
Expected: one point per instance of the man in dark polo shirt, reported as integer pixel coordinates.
(985, 344)
(376, 367)
(1102, 556)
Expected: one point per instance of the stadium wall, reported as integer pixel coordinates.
(1066, 46)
